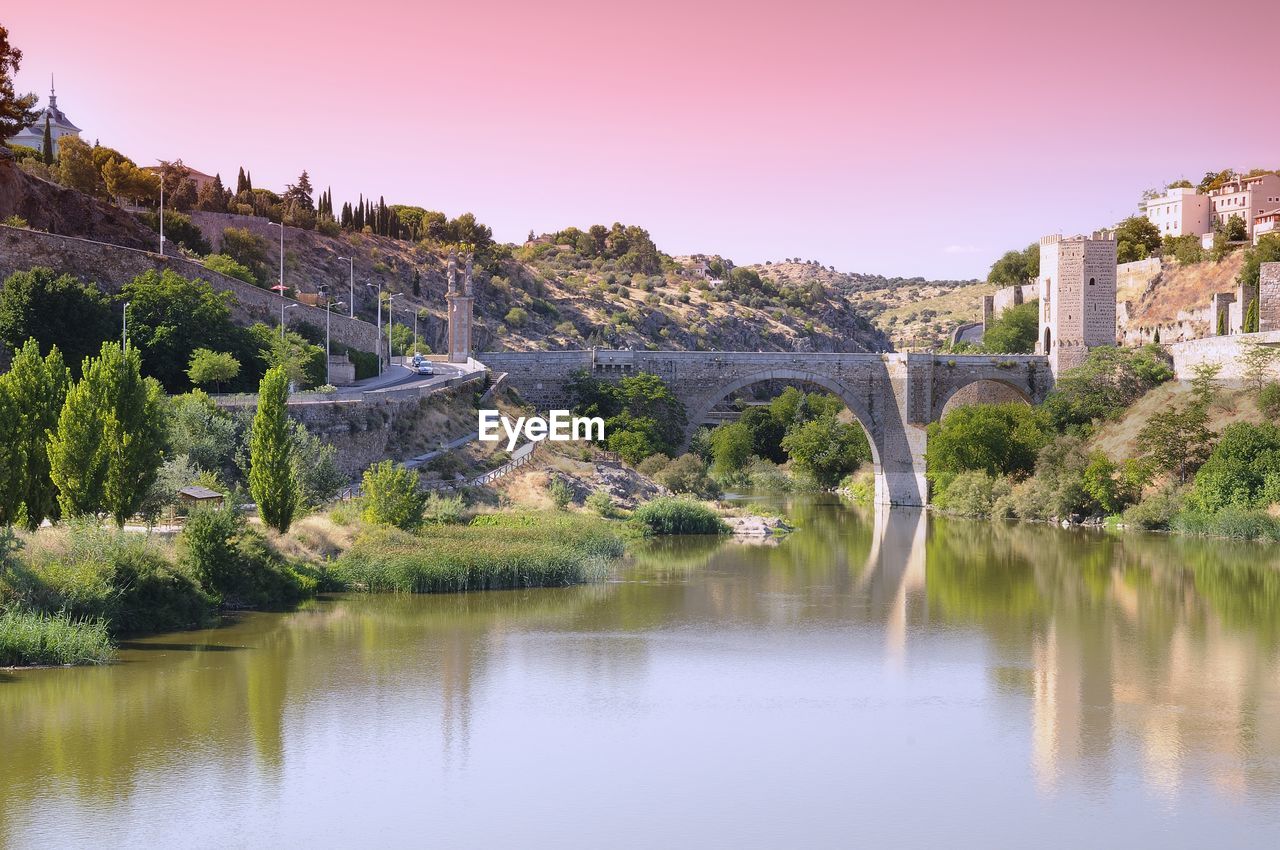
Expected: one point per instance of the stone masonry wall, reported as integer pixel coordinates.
(1269, 297)
(1222, 350)
(110, 267)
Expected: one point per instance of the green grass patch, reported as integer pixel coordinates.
(1231, 522)
(493, 552)
(677, 516)
(28, 638)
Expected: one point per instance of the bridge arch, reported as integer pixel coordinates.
(698, 412)
(1007, 388)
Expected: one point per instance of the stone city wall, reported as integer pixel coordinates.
(1222, 350)
(110, 267)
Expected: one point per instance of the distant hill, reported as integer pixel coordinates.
(912, 312)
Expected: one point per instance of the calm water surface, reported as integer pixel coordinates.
(891, 681)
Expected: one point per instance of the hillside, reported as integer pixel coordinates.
(1176, 297)
(546, 294)
(912, 312)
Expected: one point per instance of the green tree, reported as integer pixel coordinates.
(1205, 383)
(249, 250)
(202, 431)
(35, 388)
(315, 466)
(271, 478)
(1242, 471)
(55, 310)
(1256, 363)
(1107, 382)
(302, 360)
(17, 112)
(732, 446)
(1237, 230)
(76, 168)
(46, 144)
(212, 367)
(826, 449)
(1015, 331)
(1251, 316)
(1000, 439)
(1266, 251)
(1176, 440)
(390, 496)
(222, 264)
(1101, 480)
(171, 316)
(1015, 268)
(109, 442)
(1136, 239)
(688, 474)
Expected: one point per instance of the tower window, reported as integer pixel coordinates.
(1091, 281)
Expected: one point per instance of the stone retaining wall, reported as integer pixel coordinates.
(110, 267)
(1223, 350)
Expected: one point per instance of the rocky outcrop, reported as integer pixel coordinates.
(53, 208)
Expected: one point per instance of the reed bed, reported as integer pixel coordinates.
(677, 516)
(493, 552)
(29, 638)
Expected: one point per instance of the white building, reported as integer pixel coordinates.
(1180, 212)
(59, 125)
(1246, 197)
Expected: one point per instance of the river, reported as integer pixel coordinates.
(892, 680)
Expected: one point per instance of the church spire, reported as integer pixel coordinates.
(53, 94)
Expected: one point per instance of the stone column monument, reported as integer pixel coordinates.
(461, 304)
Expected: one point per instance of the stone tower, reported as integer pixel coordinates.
(1077, 289)
(461, 304)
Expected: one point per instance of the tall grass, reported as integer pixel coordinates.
(491, 553)
(28, 638)
(1232, 522)
(677, 516)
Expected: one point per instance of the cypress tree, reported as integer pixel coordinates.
(1251, 317)
(417, 284)
(242, 184)
(248, 181)
(37, 388)
(46, 147)
(1156, 337)
(271, 479)
(1222, 324)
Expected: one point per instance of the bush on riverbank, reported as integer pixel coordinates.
(29, 638)
(677, 516)
(494, 551)
(235, 565)
(1240, 523)
(95, 574)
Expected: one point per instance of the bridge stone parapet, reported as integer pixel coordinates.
(893, 396)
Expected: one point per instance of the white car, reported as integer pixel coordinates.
(424, 368)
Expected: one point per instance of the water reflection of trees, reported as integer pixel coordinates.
(1169, 642)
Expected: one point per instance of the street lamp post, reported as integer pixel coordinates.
(124, 326)
(378, 325)
(352, 283)
(162, 213)
(415, 330)
(280, 284)
(390, 313)
(282, 309)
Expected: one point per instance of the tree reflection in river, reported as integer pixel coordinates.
(1098, 657)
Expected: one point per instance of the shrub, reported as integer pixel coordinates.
(677, 516)
(1269, 400)
(561, 493)
(973, 494)
(860, 487)
(443, 510)
(1231, 522)
(391, 496)
(120, 579)
(1156, 511)
(234, 563)
(1242, 472)
(653, 464)
(222, 264)
(998, 439)
(28, 638)
(688, 474)
(16, 221)
(516, 317)
(602, 503)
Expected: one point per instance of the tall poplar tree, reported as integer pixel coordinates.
(271, 479)
(37, 388)
(46, 147)
(109, 443)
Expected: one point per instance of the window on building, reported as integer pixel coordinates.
(1091, 281)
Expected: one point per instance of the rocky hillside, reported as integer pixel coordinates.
(48, 206)
(550, 293)
(911, 312)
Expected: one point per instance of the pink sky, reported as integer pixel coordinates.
(904, 138)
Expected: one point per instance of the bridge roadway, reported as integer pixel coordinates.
(893, 396)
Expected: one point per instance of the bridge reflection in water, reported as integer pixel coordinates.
(864, 655)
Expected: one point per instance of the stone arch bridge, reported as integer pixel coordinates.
(893, 396)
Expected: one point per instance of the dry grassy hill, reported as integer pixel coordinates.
(912, 312)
